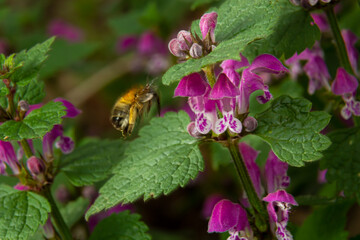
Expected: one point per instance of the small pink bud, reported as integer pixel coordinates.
(250, 124)
(184, 40)
(196, 51)
(49, 229)
(174, 48)
(35, 166)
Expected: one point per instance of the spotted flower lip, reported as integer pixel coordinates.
(191, 86)
(344, 82)
(227, 216)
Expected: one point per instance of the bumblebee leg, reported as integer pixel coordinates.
(132, 118)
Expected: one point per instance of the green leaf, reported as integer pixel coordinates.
(325, 223)
(74, 210)
(127, 24)
(64, 54)
(36, 124)
(21, 213)
(293, 131)
(121, 226)
(33, 92)
(93, 161)
(342, 159)
(162, 158)
(32, 61)
(282, 29)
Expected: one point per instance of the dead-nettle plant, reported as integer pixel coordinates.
(225, 66)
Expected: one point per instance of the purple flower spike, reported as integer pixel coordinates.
(191, 86)
(350, 40)
(344, 83)
(249, 155)
(267, 63)
(8, 156)
(66, 144)
(223, 88)
(207, 24)
(276, 173)
(71, 110)
(227, 216)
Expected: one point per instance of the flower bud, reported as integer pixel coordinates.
(49, 229)
(196, 51)
(174, 48)
(184, 40)
(23, 106)
(66, 144)
(36, 166)
(250, 124)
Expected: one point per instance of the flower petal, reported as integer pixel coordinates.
(249, 155)
(223, 88)
(227, 216)
(209, 204)
(8, 156)
(48, 141)
(280, 196)
(65, 144)
(344, 82)
(235, 125)
(275, 173)
(267, 63)
(207, 24)
(202, 123)
(191, 86)
(71, 110)
(174, 48)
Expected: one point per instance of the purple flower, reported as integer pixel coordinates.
(71, 110)
(230, 66)
(229, 217)
(346, 85)
(191, 86)
(321, 21)
(279, 205)
(350, 40)
(276, 173)
(8, 156)
(65, 143)
(150, 44)
(249, 155)
(65, 30)
(126, 43)
(22, 187)
(228, 121)
(315, 68)
(322, 176)
(36, 166)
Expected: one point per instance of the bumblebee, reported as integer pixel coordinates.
(132, 105)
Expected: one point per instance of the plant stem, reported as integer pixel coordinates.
(261, 218)
(27, 150)
(209, 72)
(340, 45)
(58, 219)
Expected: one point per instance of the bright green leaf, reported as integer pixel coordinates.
(21, 213)
(32, 61)
(293, 131)
(325, 223)
(253, 27)
(342, 159)
(64, 54)
(121, 226)
(33, 92)
(164, 157)
(92, 162)
(74, 210)
(36, 124)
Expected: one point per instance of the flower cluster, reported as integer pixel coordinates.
(344, 84)
(308, 4)
(230, 92)
(232, 217)
(37, 166)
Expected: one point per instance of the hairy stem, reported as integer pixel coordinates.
(256, 203)
(27, 150)
(340, 45)
(58, 219)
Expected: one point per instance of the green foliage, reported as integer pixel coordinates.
(121, 226)
(63, 54)
(36, 124)
(32, 61)
(8, 66)
(293, 131)
(92, 162)
(281, 30)
(33, 92)
(325, 223)
(162, 158)
(120, 24)
(21, 213)
(74, 210)
(342, 159)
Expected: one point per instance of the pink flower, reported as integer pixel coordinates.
(65, 30)
(8, 157)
